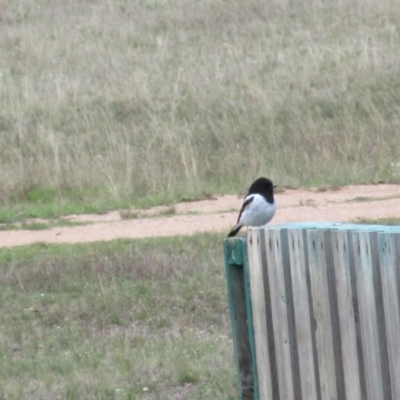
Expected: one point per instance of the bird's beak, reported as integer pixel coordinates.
(274, 186)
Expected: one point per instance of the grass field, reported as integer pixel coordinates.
(114, 103)
(106, 104)
(116, 320)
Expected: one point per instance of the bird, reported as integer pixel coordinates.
(258, 207)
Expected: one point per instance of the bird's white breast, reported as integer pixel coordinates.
(258, 212)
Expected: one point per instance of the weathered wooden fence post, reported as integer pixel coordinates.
(241, 316)
(315, 311)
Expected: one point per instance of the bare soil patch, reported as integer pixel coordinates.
(343, 204)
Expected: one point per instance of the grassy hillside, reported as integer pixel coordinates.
(118, 102)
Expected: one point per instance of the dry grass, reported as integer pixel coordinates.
(119, 320)
(110, 100)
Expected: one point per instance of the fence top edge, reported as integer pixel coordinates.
(332, 226)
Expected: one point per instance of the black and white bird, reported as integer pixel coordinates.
(259, 206)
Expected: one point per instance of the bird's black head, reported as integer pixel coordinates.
(262, 186)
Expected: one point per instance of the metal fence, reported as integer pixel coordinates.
(315, 311)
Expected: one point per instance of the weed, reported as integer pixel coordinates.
(361, 199)
(129, 214)
(168, 211)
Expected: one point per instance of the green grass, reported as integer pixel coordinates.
(367, 199)
(116, 320)
(361, 199)
(167, 212)
(145, 103)
(48, 203)
(40, 225)
(379, 221)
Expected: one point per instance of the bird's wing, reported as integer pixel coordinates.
(247, 201)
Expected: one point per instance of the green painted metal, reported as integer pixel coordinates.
(241, 316)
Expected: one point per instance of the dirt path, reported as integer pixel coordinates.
(345, 204)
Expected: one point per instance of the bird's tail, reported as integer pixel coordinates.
(234, 231)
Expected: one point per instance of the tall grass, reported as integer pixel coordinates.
(110, 100)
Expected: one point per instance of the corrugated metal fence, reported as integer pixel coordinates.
(315, 311)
